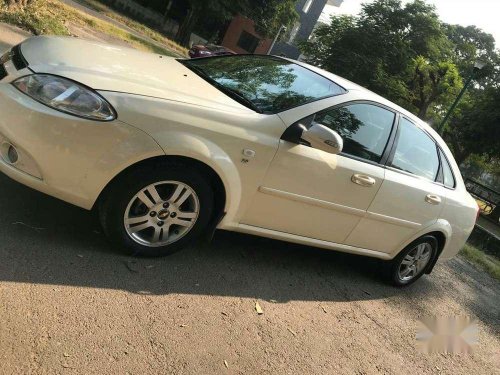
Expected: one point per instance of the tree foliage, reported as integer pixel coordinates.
(268, 15)
(401, 52)
(407, 54)
(476, 128)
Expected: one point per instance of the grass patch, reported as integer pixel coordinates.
(486, 262)
(36, 18)
(137, 26)
(50, 17)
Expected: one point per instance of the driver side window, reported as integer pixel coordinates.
(365, 128)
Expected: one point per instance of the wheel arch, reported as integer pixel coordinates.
(441, 239)
(216, 182)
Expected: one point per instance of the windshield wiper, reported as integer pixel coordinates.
(236, 95)
(232, 93)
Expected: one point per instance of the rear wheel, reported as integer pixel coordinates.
(156, 211)
(412, 262)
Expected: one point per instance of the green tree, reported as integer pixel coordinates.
(269, 15)
(476, 127)
(431, 84)
(400, 52)
(470, 44)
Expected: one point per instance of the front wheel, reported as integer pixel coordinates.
(412, 262)
(156, 211)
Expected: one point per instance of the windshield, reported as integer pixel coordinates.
(264, 83)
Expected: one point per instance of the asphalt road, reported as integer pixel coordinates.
(70, 303)
(10, 35)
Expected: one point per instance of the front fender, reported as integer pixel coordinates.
(196, 147)
(136, 147)
(219, 138)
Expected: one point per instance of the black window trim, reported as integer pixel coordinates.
(441, 152)
(293, 132)
(438, 149)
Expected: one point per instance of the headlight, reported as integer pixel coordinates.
(66, 96)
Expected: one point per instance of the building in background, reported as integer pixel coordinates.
(237, 34)
(309, 12)
(241, 37)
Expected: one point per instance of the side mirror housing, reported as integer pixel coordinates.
(323, 138)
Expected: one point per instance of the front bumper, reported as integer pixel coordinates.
(65, 156)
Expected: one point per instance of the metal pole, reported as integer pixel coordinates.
(275, 39)
(455, 103)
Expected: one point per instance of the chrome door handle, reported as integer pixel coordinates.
(432, 199)
(363, 180)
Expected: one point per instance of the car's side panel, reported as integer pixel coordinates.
(460, 212)
(310, 193)
(440, 225)
(243, 228)
(398, 212)
(238, 145)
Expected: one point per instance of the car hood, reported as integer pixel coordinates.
(111, 68)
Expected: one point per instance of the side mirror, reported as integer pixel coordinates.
(323, 138)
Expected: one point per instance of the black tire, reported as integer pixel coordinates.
(393, 267)
(117, 197)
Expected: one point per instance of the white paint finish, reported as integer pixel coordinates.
(215, 137)
(75, 157)
(332, 204)
(107, 67)
(402, 198)
(311, 201)
(459, 214)
(276, 235)
(306, 195)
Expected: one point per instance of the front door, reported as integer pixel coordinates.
(315, 194)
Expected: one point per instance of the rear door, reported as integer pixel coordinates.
(410, 197)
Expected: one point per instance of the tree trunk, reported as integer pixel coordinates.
(422, 111)
(186, 28)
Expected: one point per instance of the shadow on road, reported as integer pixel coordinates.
(46, 241)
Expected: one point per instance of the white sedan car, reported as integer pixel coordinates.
(166, 149)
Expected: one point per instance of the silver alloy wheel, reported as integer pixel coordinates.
(415, 262)
(161, 213)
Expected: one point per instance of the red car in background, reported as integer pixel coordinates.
(200, 50)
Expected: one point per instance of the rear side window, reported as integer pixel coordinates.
(416, 152)
(365, 128)
(448, 178)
